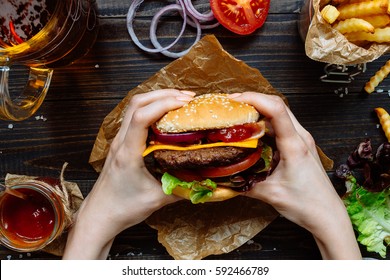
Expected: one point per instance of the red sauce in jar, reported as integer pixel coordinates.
(27, 220)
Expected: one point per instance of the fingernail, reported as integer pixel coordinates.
(234, 95)
(184, 98)
(187, 92)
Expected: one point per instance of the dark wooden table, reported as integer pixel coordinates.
(82, 94)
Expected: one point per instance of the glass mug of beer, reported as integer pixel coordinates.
(40, 35)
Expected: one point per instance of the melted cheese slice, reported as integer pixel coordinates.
(243, 144)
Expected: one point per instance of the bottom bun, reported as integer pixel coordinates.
(219, 194)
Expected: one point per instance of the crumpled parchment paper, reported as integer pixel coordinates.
(325, 44)
(195, 231)
(191, 232)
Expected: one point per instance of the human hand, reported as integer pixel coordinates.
(125, 193)
(299, 187)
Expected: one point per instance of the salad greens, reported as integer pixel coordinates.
(368, 203)
(370, 215)
(267, 156)
(200, 191)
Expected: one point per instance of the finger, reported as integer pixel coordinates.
(144, 117)
(141, 100)
(264, 190)
(303, 133)
(273, 108)
(169, 199)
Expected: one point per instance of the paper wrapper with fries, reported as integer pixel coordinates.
(348, 32)
(196, 231)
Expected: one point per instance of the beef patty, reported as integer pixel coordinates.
(216, 156)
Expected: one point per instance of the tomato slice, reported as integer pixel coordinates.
(222, 171)
(240, 16)
(186, 175)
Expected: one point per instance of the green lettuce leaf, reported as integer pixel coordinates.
(370, 215)
(200, 191)
(266, 155)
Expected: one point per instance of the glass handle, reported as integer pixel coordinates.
(27, 103)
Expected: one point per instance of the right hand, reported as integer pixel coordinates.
(299, 188)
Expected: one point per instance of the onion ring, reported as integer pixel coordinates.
(190, 16)
(199, 16)
(153, 36)
(191, 23)
(202, 18)
(130, 17)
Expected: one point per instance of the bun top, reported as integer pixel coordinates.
(207, 111)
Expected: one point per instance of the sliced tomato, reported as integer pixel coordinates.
(228, 170)
(186, 175)
(240, 16)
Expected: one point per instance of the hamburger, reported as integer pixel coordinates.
(211, 149)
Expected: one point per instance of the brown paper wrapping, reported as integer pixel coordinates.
(72, 204)
(325, 44)
(195, 231)
(210, 228)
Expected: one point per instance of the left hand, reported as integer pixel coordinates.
(125, 193)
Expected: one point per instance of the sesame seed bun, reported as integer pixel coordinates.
(207, 111)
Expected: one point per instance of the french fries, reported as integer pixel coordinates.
(361, 21)
(384, 120)
(380, 35)
(379, 76)
(378, 21)
(366, 8)
(354, 25)
(330, 13)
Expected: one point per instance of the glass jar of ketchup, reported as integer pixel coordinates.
(31, 219)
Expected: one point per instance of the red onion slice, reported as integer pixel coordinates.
(174, 138)
(190, 22)
(199, 16)
(190, 16)
(130, 17)
(153, 36)
(202, 18)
